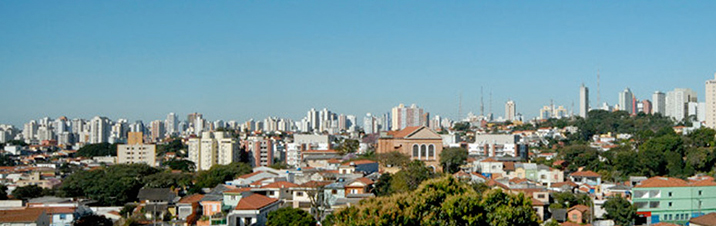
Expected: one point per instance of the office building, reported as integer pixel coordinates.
(658, 103)
(626, 101)
(171, 125)
(403, 117)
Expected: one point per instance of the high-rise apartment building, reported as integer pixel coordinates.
(711, 103)
(213, 148)
(510, 110)
(403, 117)
(658, 103)
(677, 103)
(260, 151)
(136, 151)
(646, 106)
(157, 130)
(171, 124)
(626, 101)
(583, 101)
(99, 130)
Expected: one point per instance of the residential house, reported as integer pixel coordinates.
(252, 210)
(578, 214)
(187, 206)
(24, 217)
(491, 168)
(418, 142)
(246, 179)
(319, 158)
(306, 193)
(156, 201)
(277, 190)
(364, 167)
(586, 177)
(359, 186)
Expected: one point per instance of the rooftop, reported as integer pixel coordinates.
(254, 202)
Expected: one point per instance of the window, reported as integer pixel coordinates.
(669, 194)
(299, 193)
(700, 191)
(415, 151)
(334, 191)
(431, 151)
(62, 217)
(423, 151)
(540, 196)
(669, 204)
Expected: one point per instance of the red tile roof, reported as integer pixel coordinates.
(358, 162)
(191, 198)
(29, 215)
(56, 210)
(364, 180)
(404, 132)
(536, 202)
(255, 202)
(280, 184)
(580, 208)
(662, 182)
(706, 220)
(587, 173)
(489, 160)
(245, 176)
(237, 191)
(315, 184)
(665, 224)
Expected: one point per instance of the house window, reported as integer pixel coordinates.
(62, 217)
(415, 151)
(247, 221)
(334, 191)
(669, 204)
(299, 193)
(700, 192)
(669, 194)
(540, 196)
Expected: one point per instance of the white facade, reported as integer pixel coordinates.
(677, 103)
(137, 153)
(510, 110)
(213, 148)
(625, 100)
(99, 130)
(710, 113)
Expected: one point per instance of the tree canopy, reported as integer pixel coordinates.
(289, 216)
(101, 149)
(442, 201)
(111, 185)
(452, 158)
(219, 173)
(620, 210)
(27, 192)
(183, 165)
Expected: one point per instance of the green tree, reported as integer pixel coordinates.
(175, 145)
(461, 126)
(348, 146)
(382, 185)
(218, 174)
(290, 217)
(393, 158)
(183, 165)
(568, 199)
(452, 158)
(702, 137)
(101, 149)
(168, 179)
(6, 160)
(442, 201)
(112, 185)
(27, 192)
(620, 210)
(410, 177)
(93, 220)
(580, 155)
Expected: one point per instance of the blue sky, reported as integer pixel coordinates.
(252, 59)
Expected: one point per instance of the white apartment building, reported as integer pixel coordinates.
(136, 151)
(213, 148)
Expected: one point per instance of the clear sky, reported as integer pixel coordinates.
(252, 59)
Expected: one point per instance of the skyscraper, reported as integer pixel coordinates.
(314, 120)
(677, 103)
(583, 101)
(171, 124)
(626, 101)
(509, 110)
(659, 103)
(711, 103)
(99, 130)
(405, 117)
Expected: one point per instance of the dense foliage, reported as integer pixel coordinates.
(101, 149)
(620, 210)
(183, 165)
(443, 201)
(112, 185)
(93, 220)
(27, 192)
(289, 216)
(393, 159)
(174, 145)
(218, 174)
(452, 158)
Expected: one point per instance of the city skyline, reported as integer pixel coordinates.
(255, 60)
